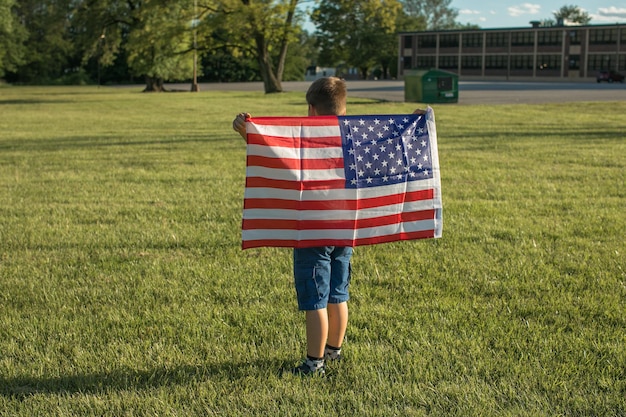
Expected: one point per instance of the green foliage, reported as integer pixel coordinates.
(48, 50)
(159, 45)
(360, 34)
(439, 14)
(12, 36)
(123, 289)
(567, 15)
(154, 36)
(222, 66)
(272, 29)
(301, 53)
(572, 14)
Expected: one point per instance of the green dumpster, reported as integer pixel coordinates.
(431, 86)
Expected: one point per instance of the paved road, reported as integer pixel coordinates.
(470, 92)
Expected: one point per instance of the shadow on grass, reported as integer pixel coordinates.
(30, 101)
(130, 379)
(81, 142)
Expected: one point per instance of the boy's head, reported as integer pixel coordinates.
(327, 97)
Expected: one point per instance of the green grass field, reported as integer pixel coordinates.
(124, 291)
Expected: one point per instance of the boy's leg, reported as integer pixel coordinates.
(337, 323)
(316, 331)
(312, 280)
(338, 298)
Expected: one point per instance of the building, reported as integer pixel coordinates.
(532, 53)
(313, 73)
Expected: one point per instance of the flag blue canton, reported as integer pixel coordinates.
(383, 150)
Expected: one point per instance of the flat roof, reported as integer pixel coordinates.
(612, 25)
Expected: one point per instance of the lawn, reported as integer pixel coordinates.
(124, 291)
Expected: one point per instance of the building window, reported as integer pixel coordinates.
(574, 62)
(472, 40)
(574, 37)
(550, 37)
(408, 42)
(427, 41)
(497, 39)
(471, 62)
(548, 62)
(602, 36)
(496, 62)
(522, 38)
(600, 62)
(426, 62)
(449, 41)
(450, 62)
(521, 62)
(406, 62)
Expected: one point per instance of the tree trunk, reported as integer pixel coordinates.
(284, 42)
(154, 85)
(385, 74)
(271, 83)
(272, 77)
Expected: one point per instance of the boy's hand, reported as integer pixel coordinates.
(239, 124)
(419, 111)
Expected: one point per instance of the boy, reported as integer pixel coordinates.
(321, 274)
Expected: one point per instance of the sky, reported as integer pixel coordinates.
(507, 13)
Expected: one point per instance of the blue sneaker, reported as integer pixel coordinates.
(310, 368)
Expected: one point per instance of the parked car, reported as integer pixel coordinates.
(609, 76)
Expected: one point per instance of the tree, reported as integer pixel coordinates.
(155, 36)
(12, 37)
(301, 53)
(160, 44)
(47, 52)
(263, 29)
(357, 33)
(438, 13)
(572, 14)
(147, 38)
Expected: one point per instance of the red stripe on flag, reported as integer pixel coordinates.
(260, 182)
(272, 224)
(422, 234)
(294, 164)
(294, 142)
(364, 203)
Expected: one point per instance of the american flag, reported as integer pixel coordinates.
(341, 180)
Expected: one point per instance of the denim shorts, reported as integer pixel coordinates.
(322, 276)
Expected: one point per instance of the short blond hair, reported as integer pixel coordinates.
(328, 96)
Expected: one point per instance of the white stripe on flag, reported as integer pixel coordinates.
(294, 153)
(340, 194)
(295, 175)
(294, 131)
(304, 215)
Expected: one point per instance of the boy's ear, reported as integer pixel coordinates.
(312, 111)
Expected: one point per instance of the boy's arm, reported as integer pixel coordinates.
(239, 124)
